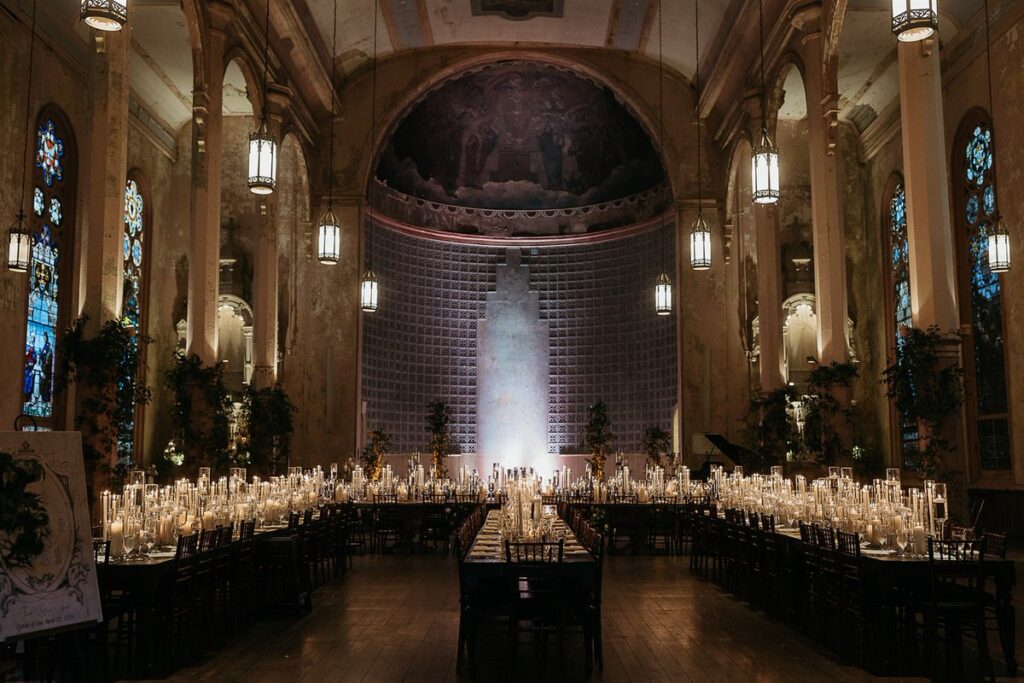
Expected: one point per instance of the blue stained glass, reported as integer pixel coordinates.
(971, 212)
(989, 200)
(132, 254)
(56, 212)
(902, 310)
(50, 242)
(991, 426)
(49, 152)
(37, 381)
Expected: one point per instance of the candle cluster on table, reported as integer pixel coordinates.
(467, 482)
(882, 512)
(523, 515)
(146, 516)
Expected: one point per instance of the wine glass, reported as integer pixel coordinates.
(147, 539)
(901, 540)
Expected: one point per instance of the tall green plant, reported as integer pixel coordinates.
(105, 370)
(598, 437)
(440, 438)
(200, 411)
(927, 386)
(654, 443)
(825, 418)
(775, 432)
(376, 448)
(268, 422)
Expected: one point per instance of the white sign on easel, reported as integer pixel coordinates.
(59, 589)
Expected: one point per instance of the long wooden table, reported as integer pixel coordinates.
(910, 575)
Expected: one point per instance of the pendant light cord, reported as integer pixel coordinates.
(334, 95)
(696, 78)
(28, 111)
(661, 125)
(991, 108)
(764, 97)
(266, 62)
(373, 134)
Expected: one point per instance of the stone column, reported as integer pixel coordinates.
(929, 227)
(265, 282)
(204, 236)
(769, 295)
(929, 231)
(265, 277)
(826, 211)
(108, 159)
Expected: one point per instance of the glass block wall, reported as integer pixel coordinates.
(606, 342)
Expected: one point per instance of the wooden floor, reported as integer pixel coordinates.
(395, 618)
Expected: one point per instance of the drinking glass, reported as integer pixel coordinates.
(901, 540)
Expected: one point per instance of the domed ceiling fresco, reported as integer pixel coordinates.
(520, 135)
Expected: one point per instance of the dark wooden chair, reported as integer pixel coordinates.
(956, 603)
(536, 594)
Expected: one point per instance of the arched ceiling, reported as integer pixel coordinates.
(520, 135)
(629, 25)
(161, 61)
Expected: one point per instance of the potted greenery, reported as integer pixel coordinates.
(373, 454)
(654, 443)
(774, 432)
(267, 414)
(825, 418)
(927, 386)
(105, 371)
(598, 437)
(200, 411)
(440, 439)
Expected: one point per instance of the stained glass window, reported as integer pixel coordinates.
(899, 278)
(50, 237)
(132, 251)
(983, 306)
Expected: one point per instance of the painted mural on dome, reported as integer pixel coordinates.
(520, 135)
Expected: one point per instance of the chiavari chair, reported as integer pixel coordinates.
(536, 593)
(956, 602)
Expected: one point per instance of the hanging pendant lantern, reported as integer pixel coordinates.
(19, 246)
(999, 249)
(663, 295)
(764, 171)
(105, 15)
(914, 20)
(368, 292)
(328, 249)
(262, 160)
(700, 244)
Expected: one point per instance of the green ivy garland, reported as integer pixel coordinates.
(928, 390)
(98, 366)
(200, 411)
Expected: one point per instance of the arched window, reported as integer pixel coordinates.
(51, 224)
(981, 300)
(898, 249)
(134, 242)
